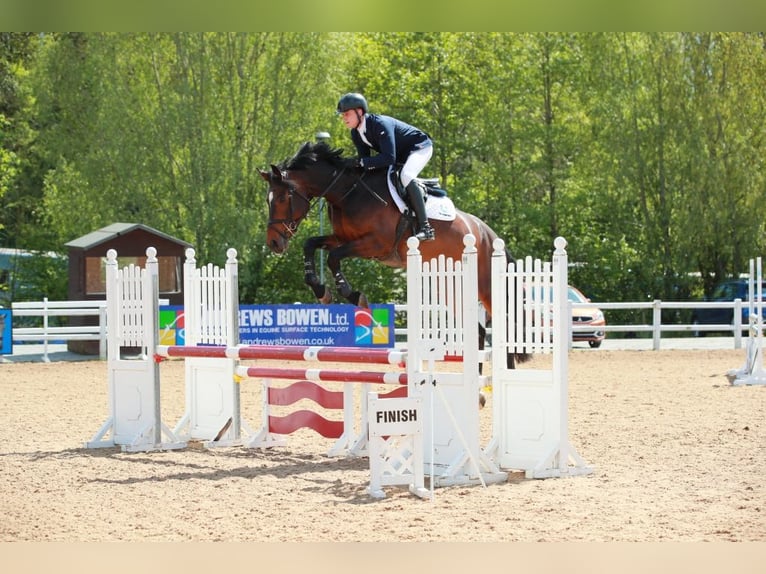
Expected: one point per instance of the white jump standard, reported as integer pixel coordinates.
(752, 373)
(531, 406)
(134, 421)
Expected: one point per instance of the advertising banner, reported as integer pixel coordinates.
(312, 325)
(6, 332)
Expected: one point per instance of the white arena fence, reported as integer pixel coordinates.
(48, 311)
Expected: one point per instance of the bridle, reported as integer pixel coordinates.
(291, 223)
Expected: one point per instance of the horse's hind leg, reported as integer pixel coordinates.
(482, 340)
(321, 292)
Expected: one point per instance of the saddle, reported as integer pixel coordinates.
(438, 205)
(429, 186)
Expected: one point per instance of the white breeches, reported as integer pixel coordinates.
(415, 164)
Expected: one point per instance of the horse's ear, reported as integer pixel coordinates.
(265, 175)
(276, 172)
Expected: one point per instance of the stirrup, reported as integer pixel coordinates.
(426, 233)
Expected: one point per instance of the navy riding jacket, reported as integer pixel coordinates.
(393, 139)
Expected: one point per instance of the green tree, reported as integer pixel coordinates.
(723, 131)
(18, 196)
(171, 129)
(644, 150)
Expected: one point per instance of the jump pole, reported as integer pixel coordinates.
(290, 353)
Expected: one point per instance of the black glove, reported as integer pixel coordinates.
(352, 162)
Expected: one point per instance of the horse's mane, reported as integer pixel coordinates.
(311, 153)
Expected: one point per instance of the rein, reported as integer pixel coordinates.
(368, 188)
(291, 224)
(359, 179)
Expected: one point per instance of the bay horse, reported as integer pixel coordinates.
(365, 223)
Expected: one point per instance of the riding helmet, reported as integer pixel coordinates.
(352, 101)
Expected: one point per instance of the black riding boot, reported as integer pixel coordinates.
(425, 231)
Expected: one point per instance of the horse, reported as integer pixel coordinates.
(365, 223)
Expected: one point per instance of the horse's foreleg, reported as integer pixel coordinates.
(341, 283)
(321, 292)
(344, 288)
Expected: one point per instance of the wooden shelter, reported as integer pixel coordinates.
(87, 271)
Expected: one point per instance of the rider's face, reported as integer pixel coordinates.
(351, 118)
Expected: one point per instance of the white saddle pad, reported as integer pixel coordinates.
(440, 208)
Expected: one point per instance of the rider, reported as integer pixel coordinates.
(395, 142)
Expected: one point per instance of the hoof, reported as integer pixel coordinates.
(359, 299)
(326, 299)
